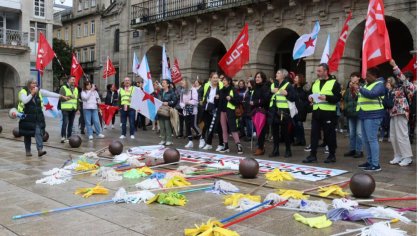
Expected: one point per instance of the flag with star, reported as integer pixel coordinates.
(50, 107)
(145, 103)
(305, 45)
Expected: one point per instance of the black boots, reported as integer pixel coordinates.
(275, 152)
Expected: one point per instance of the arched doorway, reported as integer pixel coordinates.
(275, 51)
(206, 57)
(8, 80)
(401, 44)
(154, 57)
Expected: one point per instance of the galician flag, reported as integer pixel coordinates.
(50, 107)
(144, 72)
(305, 45)
(136, 65)
(326, 54)
(166, 71)
(145, 103)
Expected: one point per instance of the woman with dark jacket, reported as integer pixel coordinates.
(228, 100)
(303, 106)
(169, 99)
(247, 116)
(111, 99)
(260, 100)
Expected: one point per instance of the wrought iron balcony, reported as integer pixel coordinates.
(13, 38)
(152, 11)
(87, 65)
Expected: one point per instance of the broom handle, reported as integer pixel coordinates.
(258, 187)
(243, 212)
(211, 176)
(388, 199)
(254, 214)
(323, 186)
(163, 189)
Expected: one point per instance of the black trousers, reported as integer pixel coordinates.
(209, 129)
(282, 128)
(189, 124)
(181, 123)
(261, 138)
(328, 128)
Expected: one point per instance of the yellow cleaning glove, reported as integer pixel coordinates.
(145, 170)
(85, 166)
(177, 181)
(333, 189)
(233, 199)
(87, 192)
(277, 175)
(314, 222)
(212, 228)
(170, 198)
(288, 193)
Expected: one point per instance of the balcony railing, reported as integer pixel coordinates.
(88, 65)
(13, 37)
(160, 10)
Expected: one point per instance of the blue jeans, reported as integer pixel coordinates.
(370, 129)
(92, 115)
(355, 134)
(38, 139)
(249, 126)
(131, 114)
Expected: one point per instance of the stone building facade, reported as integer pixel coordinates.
(198, 33)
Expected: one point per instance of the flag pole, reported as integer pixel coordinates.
(59, 62)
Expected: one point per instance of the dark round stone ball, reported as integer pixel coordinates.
(45, 137)
(16, 133)
(249, 168)
(75, 141)
(116, 147)
(362, 185)
(171, 155)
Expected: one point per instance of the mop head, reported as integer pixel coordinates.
(170, 198)
(171, 174)
(122, 157)
(224, 165)
(333, 189)
(177, 181)
(186, 169)
(56, 176)
(381, 229)
(211, 228)
(307, 205)
(134, 162)
(85, 166)
(289, 193)
(382, 212)
(157, 175)
(72, 166)
(245, 204)
(151, 184)
(279, 176)
(90, 155)
(123, 196)
(107, 173)
(145, 170)
(133, 174)
(274, 198)
(232, 201)
(223, 187)
(345, 203)
(87, 192)
(131, 160)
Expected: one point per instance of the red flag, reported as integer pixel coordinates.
(109, 69)
(108, 112)
(238, 54)
(412, 66)
(340, 46)
(175, 72)
(76, 70)
(376, 46)
(45, 53)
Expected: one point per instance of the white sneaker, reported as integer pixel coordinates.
(190, 144)
(63, 140)
(207, 147)
(219, 148)
(132, 137)
(122, 137)
(162, 143)
(101, 136)
(202, 143)
(90, 137)
(327, 150)
(105, 127)
(406, 161)
(153, 128)
(396, 160)
(112, 127)
(169, 143)
(120, 124)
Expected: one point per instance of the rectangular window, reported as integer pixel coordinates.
(86, 4)
(85, 56)
(92, 27)
(92, 54)
(93, 3)
(66, 34)
(86, 29)
(117, 40)
(59, 34)
(39, 8)
(79, 30)
(80, 6)
(77, 55)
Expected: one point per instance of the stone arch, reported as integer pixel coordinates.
(154, 58)
(205, 57)
(275, 51)
(400, 36)
(8, 89)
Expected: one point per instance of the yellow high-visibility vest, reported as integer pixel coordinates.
(326, 90)
(368, 104)
(229, 104)
(21, 106)
(71, 104)
(126, 96)
(207, 86)
(281, 101)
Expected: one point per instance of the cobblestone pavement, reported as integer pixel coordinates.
(20, 195)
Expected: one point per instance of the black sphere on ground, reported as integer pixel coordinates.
(362, 185)
(75, 141)
(45, 137)
(171, 155)
(115, 148)
(16, 132)
(249, 168)
(1, 129)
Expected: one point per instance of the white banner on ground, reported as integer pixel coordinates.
(310, 173)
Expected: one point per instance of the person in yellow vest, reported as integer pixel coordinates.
(371, 112)
(124, 98)
(33, 125)
(228, 100)
(279, 108)
(326, 92)
(68, 107)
